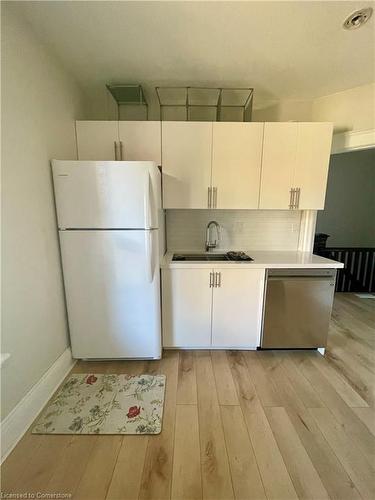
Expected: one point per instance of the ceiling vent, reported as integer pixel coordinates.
(357, 19)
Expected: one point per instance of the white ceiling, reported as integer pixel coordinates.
(295, 50)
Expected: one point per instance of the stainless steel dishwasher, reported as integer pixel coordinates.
(298, 306)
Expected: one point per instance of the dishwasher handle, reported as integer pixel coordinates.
(300, 279)
(301, 273)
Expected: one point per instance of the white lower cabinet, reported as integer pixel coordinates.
(212, 308)
(237, 308)
(186, 303)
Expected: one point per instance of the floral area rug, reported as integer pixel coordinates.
(105, 404)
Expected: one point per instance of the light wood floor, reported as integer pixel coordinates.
(276, 425)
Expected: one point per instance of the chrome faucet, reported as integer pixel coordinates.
(214, 243)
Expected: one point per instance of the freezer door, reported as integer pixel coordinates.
(106, 194)
(112, 286)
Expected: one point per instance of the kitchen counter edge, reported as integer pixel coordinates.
(262, 260)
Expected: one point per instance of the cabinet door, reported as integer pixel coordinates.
(237, 308)
(96, 140)
(187, 300)
(141, 140)
(236, 164)
(278, 164)
(186, 159)
(313, 154)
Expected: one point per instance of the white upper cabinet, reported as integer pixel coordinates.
(140, 140)
(236, 164)
(295, 165)
(313, 154)
(224, 165)
(186, 160)
(237, 308)
(278, 165)
(124, 140)
(97, 140)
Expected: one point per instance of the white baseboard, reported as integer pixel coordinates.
(209, 348)
(14, 425)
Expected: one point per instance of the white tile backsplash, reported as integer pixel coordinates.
(240, 229)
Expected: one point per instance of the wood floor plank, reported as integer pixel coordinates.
(341, 386)
(361, 323)
(358, 468)
(302, 387)
(18, 461)
(265, 390)
(187, 382)
(344, 340)
(354, 427)
(97, 476)
(216, 478)
(367, 415)
(136, 367)
(305, 478)
(127, 475)
(276, 480)
(72, 464)
(226, 391)
(157, 471)
(186, 479)
(357, 308)
(332, 474)
(40, 468)
(92, 366)
(246, 479)
(354, 373)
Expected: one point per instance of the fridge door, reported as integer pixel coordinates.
(107, 194)
(112, 286)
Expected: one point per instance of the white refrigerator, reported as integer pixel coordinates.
(110, 222)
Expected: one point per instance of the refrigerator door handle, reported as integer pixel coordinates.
(149, 256)
(147, 202)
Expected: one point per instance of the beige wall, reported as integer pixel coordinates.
(282, 111)
(39, 104)
(352, 109)
(349, 110)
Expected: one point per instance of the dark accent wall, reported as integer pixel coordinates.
(349, 215)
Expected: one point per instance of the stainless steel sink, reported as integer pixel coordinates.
(199, 257)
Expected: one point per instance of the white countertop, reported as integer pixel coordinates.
(262, 260)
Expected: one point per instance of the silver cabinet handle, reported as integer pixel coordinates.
(291, 198)
(298, 192)
(121, 151)
(211, 280)
(115, 145)
(215, 197)
(217, 281)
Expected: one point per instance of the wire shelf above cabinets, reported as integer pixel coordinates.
(205, 103)
(130, 96)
